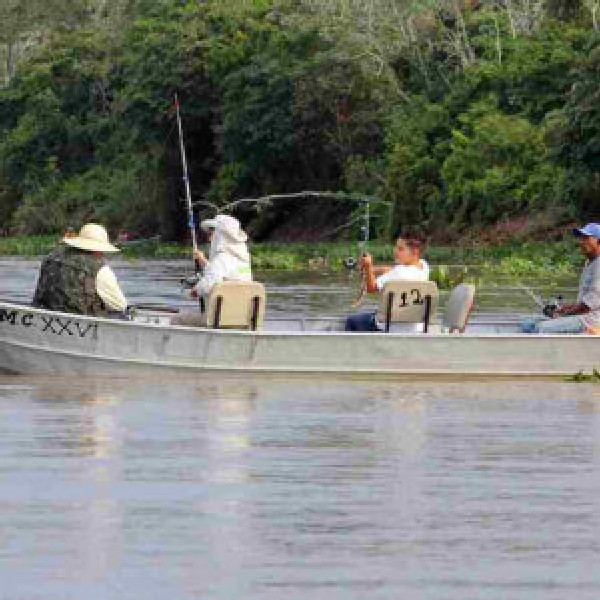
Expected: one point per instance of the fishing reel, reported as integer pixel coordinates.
(187, 283)
(350, 262)
(551, 306)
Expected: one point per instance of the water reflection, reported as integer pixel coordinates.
(249, 488)
(88, 428)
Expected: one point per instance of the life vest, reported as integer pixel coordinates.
(67, 282)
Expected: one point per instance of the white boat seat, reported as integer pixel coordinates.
(458, 308)
(408, 302)
(236, 305)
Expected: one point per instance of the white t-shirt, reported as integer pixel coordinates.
(405, 273)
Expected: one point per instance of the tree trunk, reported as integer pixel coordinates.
(11, 61)
(511, 19)
(498, 39)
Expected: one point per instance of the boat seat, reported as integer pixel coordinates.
(408, 302)
(236, 305)
(458, 308)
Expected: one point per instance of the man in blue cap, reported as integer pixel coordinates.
(584, 315)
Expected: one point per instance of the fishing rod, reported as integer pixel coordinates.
(186, 181)
(307, 195)
(548, 307)
(365, 228)
(362, 247)
(535, 297)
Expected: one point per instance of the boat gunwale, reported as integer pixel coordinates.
(189, 330)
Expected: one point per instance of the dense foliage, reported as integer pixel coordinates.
(470, 119)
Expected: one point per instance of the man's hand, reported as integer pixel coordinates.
(366, 262)
(570, 309)
(200, 258)
(366, 266)
(563, 311)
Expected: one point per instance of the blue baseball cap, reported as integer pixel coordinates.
(591, 230)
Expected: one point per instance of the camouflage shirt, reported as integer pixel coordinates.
(67, 282)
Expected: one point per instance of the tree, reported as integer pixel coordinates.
(498, 167)
(29, 23)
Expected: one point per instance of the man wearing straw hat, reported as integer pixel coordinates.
(74, 278)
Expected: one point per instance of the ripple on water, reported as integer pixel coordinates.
(255, 489)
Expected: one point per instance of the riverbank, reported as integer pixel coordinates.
(531, 259)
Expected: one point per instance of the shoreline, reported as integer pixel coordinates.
(517, 259)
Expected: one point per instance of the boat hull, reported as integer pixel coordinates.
(42, 342)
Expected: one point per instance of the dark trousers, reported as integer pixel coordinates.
(363, 321)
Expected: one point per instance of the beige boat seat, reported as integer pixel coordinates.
(458, 307)
(236, 305)
(408, 302)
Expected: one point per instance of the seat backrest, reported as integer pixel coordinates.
(236, 305)
(408, 302)
(458, 307)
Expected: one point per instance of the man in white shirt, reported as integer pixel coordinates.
(408, 266)
(584, 315)
(74, 277)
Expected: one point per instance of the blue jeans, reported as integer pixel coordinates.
(363, 321)
(572, 324)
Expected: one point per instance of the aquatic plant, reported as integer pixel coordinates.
(581, 377)
(449, 265)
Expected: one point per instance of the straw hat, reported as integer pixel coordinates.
(91, 237)
(227, 225)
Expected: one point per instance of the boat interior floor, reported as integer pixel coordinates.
(479, 324)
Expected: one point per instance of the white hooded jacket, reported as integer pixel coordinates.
(227, 260)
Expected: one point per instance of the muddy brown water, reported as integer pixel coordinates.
(269, 489)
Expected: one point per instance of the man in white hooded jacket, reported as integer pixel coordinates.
(229, 258)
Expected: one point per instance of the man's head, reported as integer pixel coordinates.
(208, 232)
(92, 238)
(589, 240)
(227, 226)
(407, 250)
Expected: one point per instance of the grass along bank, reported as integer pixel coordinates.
(449, 264)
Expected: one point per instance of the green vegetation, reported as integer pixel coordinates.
(581, 377)
(474, 120)
(30, 246)
(449, 265)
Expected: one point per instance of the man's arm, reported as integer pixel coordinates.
(381, 269)
(589, 297)
(366, 263)
(572, 309)
(214, 272)
(109, 291)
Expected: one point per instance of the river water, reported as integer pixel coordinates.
(270, 489)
